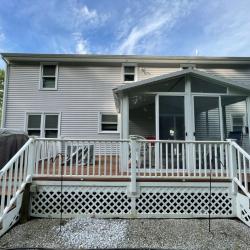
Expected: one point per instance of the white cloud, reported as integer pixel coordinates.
(228, 32)
(86, 14)
(81, 45)
(152, 25)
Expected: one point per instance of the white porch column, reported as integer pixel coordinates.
(157, 148)
(189, 126)
(248, 116)
(124, 135)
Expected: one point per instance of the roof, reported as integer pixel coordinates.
(12, 57)
(169, 76)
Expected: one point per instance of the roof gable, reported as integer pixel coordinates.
(180, 73)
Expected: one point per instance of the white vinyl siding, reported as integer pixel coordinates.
(83, 92)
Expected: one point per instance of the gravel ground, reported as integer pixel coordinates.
(133, 233)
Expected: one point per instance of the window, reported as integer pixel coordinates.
(49, 76)
(51, 126)
(238, 123)
(108, 122)
(43, 125)
(34, 125)
(129, 73)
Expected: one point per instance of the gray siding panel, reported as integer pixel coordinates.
(148, 72)
(236, 74)
(82, 93)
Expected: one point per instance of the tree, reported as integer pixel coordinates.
(1, 92)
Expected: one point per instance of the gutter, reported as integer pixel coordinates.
(32, 57)
(6, 81)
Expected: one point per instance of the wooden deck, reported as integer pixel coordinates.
(109, 170)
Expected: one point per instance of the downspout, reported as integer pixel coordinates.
(6, 81)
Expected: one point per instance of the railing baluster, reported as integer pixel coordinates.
(150, 162)
(183, 159)
(116, 159)
(227, 160)
(210, 159)
(144, 159)
(83, 157)
(99, 160)
(54, 151)
(77, 157)
(88, 158)
(43, 156)
(205, 158)
(216, 160)
(71, 159)
(110, 159)
(65, 157)
(245, 174)
(9, 192)
(3, 191)
(239, 165)
(161, 159)
(172, 158)
(199, 154)
(93, 160)
(105, 158)
(48, 158)
(177, 156)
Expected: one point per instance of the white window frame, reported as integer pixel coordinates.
(100, 131)
(27, 121)
(42, 125)
(135, 74)
(239, 115)
(41, 76)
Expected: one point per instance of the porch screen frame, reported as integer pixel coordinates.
(219, 107)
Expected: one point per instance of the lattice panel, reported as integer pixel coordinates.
(184, 201)
(243, 204)
(79, 200)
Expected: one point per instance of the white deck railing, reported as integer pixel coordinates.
(14, 175)
(98, 158)
(119, 158)
(241, 161)
(183, 158)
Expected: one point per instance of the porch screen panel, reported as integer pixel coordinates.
(235, 120)
(171, 118)
(207, 119)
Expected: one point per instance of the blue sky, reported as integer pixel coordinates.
(152, 27)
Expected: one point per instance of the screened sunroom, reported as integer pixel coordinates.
(184, 106)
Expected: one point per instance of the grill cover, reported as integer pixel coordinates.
(10, 142)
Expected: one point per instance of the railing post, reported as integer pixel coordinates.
(133, 167)
(232, 163)
(31, 161)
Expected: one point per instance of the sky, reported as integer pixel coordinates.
(142, 27)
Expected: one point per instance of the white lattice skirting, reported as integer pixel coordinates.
(178, 200)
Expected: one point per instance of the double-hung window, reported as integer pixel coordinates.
(43, 125)
(238, 122)
(48, 76)
(129, 73)
(108, 122)
(34, 124)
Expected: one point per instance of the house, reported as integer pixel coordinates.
(131, 136)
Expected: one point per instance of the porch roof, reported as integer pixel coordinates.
(193, 72)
